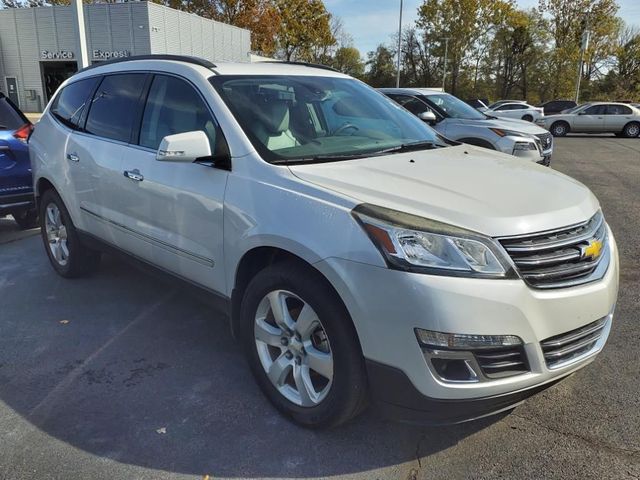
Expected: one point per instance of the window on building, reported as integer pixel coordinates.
(113, 106)
(173, 106)
(70, 102)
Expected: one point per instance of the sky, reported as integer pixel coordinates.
(371, 22)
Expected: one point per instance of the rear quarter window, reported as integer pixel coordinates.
(71, 101)
(113, 106)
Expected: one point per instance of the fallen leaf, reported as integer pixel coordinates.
(64, 322)
(162, 430)
(207, 477)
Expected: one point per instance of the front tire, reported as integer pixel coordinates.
(631, 130)
(68, 256)
(302, 346)
(559, 129)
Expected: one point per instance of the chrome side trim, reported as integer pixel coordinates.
(164, 245)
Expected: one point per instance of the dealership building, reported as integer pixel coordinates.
(39, 46)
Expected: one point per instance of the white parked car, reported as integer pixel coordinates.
(361, 256)
(517, 110)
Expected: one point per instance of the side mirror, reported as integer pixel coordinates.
(184, 147)
(428, 117)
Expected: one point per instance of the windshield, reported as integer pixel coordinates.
(307, 118)
(452, 107)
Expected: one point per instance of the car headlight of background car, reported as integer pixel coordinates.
(417, 244)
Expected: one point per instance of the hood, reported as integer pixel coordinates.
(470, 187)
(506, 124)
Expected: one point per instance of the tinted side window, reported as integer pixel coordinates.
(412, 104)
(10, 117)
(69, 103)
(519, 107)
(173, 106)
(595, 110)
(618, 110)
(113, 105)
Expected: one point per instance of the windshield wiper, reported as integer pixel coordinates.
(413, 146)
(322, 158)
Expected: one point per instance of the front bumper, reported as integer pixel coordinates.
(387, 305)
(534, 154)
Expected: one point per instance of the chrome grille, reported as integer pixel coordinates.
(566, 348)
(502, 362)
(546, 139)
(559, 258)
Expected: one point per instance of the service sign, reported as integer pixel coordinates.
(59, 55)
(108, 55)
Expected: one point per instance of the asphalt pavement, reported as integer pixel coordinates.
(123, 375)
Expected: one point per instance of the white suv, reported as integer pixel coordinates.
(361, 255)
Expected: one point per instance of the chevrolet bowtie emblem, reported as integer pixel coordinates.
(593, 250)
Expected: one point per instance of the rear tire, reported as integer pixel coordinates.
(631, 130)
(559, 129)
(26, 219)
(528, 118)
(316, 379)
(68, 256)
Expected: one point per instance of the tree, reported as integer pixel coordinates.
(567, 21)
(347, 60)
(304, 27)
(464, 23)
(382, 71)
(261, 17)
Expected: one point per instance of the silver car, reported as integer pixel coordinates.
(458, 121)
(598, 117)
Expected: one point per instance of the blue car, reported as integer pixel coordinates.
(16, 186)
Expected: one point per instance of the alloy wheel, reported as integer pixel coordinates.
(56, 234)
(293, 348)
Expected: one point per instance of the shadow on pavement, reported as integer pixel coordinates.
(127, 367)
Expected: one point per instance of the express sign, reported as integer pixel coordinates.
(102, 55)
(60, 55)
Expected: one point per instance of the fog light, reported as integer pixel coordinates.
(461, 341)
(455, 370)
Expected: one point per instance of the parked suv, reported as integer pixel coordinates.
(361, 255)
(457, 120)
(16, 184)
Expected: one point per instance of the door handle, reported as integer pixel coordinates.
(73, 157)
(134, 175)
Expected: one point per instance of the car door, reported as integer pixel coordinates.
(589, 120)
(506, 110)
(172, 211)
(616, 117)
(97, 150)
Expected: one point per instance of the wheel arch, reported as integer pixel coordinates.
(42, 185)
(257, 259)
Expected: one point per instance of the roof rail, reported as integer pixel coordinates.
(178, 58)
(304, 64)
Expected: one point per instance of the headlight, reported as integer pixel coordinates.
(413, 243)
(509, 133)
(524, 146)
